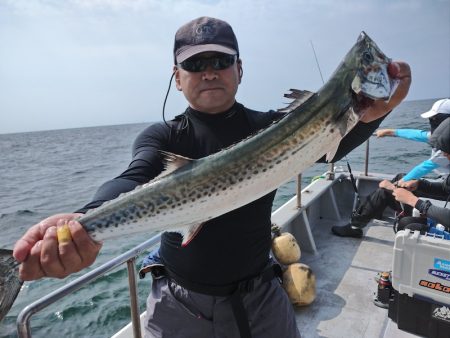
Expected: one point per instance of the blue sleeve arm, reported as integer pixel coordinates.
(413, 134)
(420, 170)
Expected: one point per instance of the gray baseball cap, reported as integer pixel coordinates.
(204, 34)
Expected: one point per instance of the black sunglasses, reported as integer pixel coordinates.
(217, 62)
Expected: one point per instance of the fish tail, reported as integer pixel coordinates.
(10, 283)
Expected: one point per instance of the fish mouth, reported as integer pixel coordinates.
(377, 77)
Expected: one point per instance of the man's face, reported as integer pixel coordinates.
(210, 90)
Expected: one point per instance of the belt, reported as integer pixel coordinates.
(236, 291)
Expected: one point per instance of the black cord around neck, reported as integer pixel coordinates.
(165, 99)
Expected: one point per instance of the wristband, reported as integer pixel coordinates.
(423, 206)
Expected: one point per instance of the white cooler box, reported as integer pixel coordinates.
(421, 282)
(421, 266)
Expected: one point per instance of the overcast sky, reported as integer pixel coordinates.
(80, 63)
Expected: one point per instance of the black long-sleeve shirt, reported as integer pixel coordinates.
(233, 246)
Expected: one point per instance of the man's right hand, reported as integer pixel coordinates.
(41, 255)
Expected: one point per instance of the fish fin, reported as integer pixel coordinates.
(172, 162)
(10, 283)
(299, 96)
(330, 155)
(190, 232)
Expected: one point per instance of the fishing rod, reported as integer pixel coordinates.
(323, 82)
(317, 61)
(331, 171)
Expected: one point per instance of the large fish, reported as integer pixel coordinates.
(191, 192)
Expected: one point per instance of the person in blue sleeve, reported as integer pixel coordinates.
(374, 205)
(437, 162)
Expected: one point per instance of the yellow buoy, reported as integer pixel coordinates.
(285, 247)
(300, 284)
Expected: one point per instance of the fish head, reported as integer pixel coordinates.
(372, 79)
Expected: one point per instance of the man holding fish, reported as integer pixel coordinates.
(219, 280)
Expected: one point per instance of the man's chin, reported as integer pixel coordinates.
(214, 106)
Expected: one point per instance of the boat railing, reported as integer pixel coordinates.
(129, 257)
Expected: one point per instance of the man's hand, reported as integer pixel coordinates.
(385, 184)
(405, 196)
(385, 132)
(41, 255)
(410, 185)
(397, 70)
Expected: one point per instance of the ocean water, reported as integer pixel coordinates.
(48, 172)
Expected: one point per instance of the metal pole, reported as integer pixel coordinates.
(299, 190)
(366, 162)
(135, 314)
(330, 173)
(23, 323)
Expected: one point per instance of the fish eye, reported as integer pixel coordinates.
(367, 57)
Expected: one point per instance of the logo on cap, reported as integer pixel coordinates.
(205, 32)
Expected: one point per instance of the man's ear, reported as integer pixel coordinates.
(177, 78)
(240, 69)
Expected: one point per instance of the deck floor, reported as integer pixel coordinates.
(345, 269)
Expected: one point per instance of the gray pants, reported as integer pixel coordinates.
(175, 312)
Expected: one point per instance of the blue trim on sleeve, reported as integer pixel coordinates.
(420, 170)
(413, 134)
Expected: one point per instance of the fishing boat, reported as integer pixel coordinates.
(346, 269)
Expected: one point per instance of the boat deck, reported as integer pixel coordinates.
(345, 269)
